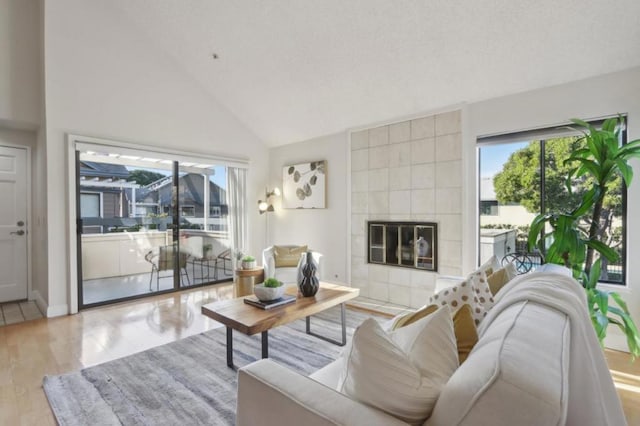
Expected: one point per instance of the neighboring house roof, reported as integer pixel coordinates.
(143, 193)
(160, 191)
(103, 170)
(157, 184)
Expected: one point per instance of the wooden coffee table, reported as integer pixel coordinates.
(247, 319)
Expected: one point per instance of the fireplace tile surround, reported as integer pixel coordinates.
(407, 171)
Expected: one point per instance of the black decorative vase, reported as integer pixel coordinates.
(309, 283)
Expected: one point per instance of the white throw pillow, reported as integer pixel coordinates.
(401, 372)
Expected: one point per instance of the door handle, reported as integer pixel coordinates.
(19, 232)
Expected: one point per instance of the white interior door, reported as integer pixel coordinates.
(13, 224)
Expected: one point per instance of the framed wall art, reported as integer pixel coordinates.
(304, 185)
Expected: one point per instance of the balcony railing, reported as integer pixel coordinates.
(121, 254)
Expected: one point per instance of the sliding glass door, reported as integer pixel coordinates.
(203, 224)
(148, 225)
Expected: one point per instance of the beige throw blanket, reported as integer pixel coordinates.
(592, 397)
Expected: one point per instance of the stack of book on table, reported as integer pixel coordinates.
(269, 304)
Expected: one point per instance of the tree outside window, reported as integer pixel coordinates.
(534, 186)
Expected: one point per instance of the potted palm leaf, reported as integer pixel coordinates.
(576, 237)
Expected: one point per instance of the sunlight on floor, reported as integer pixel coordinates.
(625, 381)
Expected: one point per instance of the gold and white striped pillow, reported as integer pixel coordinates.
(287, 256)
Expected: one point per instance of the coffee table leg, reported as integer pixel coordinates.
(265, 344)
(230, 347)
(343, 319)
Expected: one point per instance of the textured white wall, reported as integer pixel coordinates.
(20, 63)
(591, 98)
(324, 230)
(38, 228)
(105, 79)
(21, 105)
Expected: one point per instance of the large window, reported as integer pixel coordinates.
(147, 224)
(188, 211)
(523, 175)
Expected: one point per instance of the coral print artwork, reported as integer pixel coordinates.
(304, 185)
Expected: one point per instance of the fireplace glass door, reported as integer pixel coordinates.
(407, 244)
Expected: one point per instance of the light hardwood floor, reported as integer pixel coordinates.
(30, 350)
(33, 349)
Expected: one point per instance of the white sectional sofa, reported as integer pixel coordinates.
(537, 362)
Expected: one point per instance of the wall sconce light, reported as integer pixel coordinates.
(266, 205)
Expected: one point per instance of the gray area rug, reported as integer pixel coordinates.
(187, 382)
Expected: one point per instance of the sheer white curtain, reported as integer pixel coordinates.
(237, 202)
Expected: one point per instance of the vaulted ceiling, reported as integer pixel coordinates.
(292, 70)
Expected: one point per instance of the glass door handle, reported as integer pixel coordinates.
(19, 232)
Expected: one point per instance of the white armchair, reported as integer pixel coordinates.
(288, 274)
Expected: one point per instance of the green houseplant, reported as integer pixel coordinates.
(573, 238)
(272, 282)
(248, 262)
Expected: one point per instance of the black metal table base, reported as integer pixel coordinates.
(230, 347)
(265, 346)
(265, 337)
(328, 339)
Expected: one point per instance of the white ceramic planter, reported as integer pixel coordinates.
(268, 293)
(249, 265)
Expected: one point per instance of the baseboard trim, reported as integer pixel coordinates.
(42, 304)
(49, 311)
(57, 311)
(368, 310)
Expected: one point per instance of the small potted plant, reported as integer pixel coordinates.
(271, 289)
(248, 262)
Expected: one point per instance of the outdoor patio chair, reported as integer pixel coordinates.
(162, 260)
(524, 262)
(223, 258)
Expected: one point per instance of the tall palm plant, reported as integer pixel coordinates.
(599, 163)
